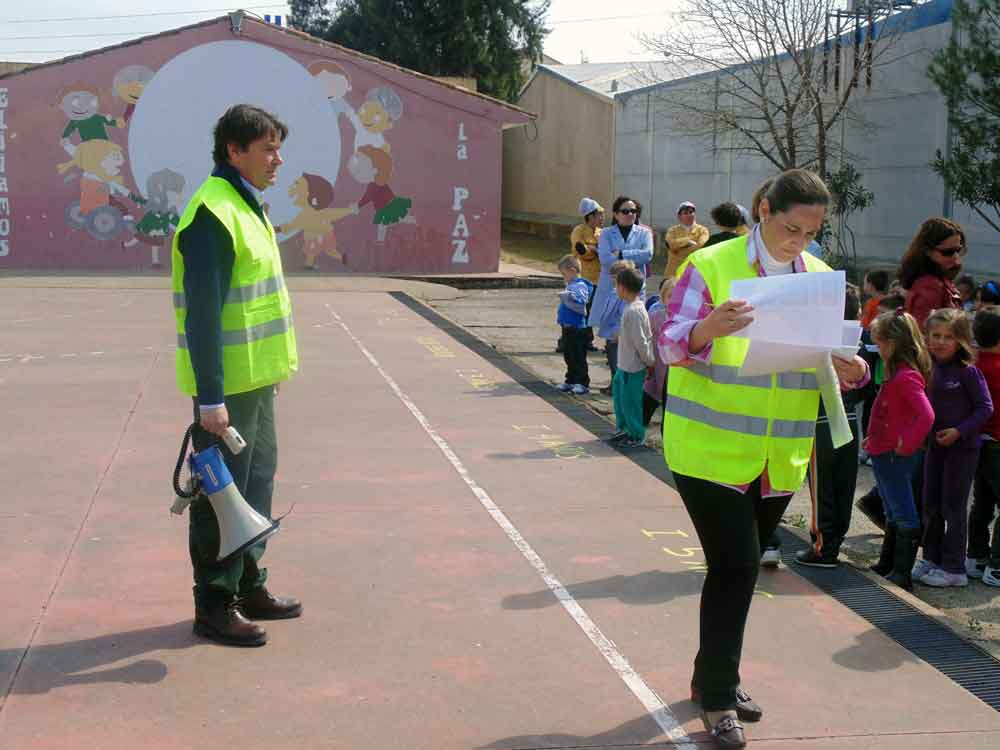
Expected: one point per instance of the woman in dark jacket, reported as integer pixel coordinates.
(930, 266)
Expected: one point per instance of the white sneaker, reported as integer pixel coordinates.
(974, 568)
(771, 558)
(922, 568)
(943, 579)
(991, 576)
(580, 390)
(564, 387)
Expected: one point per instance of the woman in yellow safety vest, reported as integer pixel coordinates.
(738, 446)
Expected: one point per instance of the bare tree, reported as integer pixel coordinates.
(774, 78)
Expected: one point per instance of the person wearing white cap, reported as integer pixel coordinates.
(683, 238)
(583, 240)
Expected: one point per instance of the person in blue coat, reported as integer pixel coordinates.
(625, 239)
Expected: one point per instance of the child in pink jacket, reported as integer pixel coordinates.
(901, 419)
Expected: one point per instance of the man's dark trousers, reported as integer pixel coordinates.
(833, 477)
(252, 414)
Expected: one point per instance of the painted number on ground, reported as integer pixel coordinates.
(542, 435)
(435, 347)
(477, 380)
(693, 565)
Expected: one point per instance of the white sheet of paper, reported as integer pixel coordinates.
(798, 308)
(799, 324)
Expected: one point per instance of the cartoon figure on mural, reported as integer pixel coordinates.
(381, 109)
(99, 209)
(80, 103)
(371, 163)
(313, 195)
(333, 79)
(163, 202)
(372, 166)
(128, 84)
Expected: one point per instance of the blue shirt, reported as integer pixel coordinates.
(573, 303)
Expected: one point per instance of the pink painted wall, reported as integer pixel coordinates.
(87, 182)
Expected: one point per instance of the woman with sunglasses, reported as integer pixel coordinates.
(625, 239)
(930, 266)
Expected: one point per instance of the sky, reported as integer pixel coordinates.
(595, 29)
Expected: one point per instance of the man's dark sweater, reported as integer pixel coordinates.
(207, 248)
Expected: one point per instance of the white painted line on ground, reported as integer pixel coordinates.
(653, 704)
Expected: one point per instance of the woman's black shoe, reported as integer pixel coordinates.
(728, 731)
(746, 708)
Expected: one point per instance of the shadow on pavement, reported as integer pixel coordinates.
(649, 587)
(870, 654)
(57, 665)
(638, 731)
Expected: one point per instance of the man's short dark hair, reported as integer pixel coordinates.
(243, 124)
(986, 327)
(631, 279)
(879, 279)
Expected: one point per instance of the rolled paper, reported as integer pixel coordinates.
(829, 390)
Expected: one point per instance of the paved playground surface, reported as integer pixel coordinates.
(478, 569)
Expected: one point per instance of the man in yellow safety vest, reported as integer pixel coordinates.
(235, 345)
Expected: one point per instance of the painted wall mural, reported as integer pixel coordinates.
(384, 171)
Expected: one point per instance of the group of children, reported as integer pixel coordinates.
(639, 381)
(929, 412)
(933, 415)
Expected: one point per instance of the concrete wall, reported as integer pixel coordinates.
(100, 153)
(566, 154)
(911, 124)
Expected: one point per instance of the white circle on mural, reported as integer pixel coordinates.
(172, 125)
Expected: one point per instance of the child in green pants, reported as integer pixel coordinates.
(635, 356)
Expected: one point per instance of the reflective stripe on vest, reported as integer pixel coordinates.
(726, 375)
(727, 428)
(746, 425)
(245, 336)
(242, 294)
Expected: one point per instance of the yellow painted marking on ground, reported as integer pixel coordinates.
(675, 532)
(560, 447)
(435, 347)
(687, 551)
(477, 380)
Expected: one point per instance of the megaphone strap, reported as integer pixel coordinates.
(185, 443)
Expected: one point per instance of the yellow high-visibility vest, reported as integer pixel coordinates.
(724, 427)
(258, 340)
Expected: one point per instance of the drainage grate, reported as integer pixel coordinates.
(924, 637)
(964, 663)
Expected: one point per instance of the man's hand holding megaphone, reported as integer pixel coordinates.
(215, 420)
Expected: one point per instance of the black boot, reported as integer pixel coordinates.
(907, 543)
(871, 506)
(888, 556)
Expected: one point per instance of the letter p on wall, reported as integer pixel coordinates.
(460, 195)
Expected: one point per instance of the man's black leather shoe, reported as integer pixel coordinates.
(226, 624)
(261, 604)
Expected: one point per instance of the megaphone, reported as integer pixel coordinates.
(240, 526)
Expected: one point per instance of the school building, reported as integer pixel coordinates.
(904, 120)
(386, 170)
